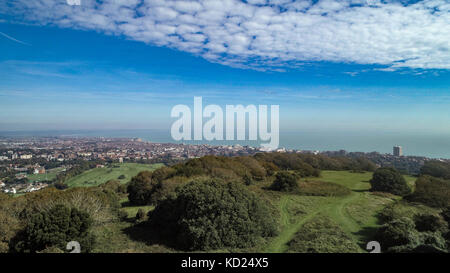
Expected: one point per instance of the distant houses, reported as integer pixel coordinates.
(40, 170)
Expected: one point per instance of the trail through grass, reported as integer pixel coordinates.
(350, 212)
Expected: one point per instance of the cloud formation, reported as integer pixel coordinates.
(265, 34)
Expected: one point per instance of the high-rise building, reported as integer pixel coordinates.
(398, 151)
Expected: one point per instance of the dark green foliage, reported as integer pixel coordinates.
(140, 215)
(121, 177)
(446, 215)
(389, 180)
(140, 189)
(284, 181)
(398, 232)
(403, 235)
(9, 226)
(432, 191)
(436, 168)
(322, 235)
(162, 174)
(296, 162)
(3, 196)
(204, 215)
(112, 185)
(222, 167)
(429, 222)
(56, 227)
(60, 185)
(247, 180)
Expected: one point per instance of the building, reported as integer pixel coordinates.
(39, 170)
(398, 151)
(26, 156)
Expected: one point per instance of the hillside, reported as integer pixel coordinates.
(267, 203)
(97, 176)
(355, 215)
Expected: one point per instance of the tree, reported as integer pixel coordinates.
(389, 180)
(9, 226)
(140, 215)
(212, 214)
(55, 228)
(429, 222)
(284, 181)
(432, 191)
(436, 169)
(140, 189)
(399, 232)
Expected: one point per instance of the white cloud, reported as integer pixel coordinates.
(266, 34)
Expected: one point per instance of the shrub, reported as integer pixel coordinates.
(60, 186)
(55, 228)
(436, 169)
(322, 235)
(122, 176)
(389, 180)
(399, 232)
(204, 215)
(140, 215)
(140, 189)
(446, 215)
(9, 226)
(429, 222)
(284, 181)
(432, 191)
(162, 174)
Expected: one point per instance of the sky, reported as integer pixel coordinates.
(347, 65)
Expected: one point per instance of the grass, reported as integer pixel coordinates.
(355, 214)
(95, 177)
(41, 177)
(132, 210)
(49, 175)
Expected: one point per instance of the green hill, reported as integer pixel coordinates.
(95, 177)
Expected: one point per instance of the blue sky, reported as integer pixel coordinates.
(122, 65)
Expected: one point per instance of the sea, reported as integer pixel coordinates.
(413, 144)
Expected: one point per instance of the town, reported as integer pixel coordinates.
(33, 163)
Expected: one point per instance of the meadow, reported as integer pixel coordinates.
(122, 172)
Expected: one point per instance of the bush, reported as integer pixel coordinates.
(389, 180)
(446, 215)
(432, 191)
(55, 228)
(60, 186)
(122, 176)
(322, 235)
(140, 189)
(284, 181)
(9, 226)
(204, 215)
(399, 232)
(140, 215)
(429, 222)
(436, 168)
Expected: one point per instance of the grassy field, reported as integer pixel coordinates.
(98, 176)
(354, 215)
(41, 177)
